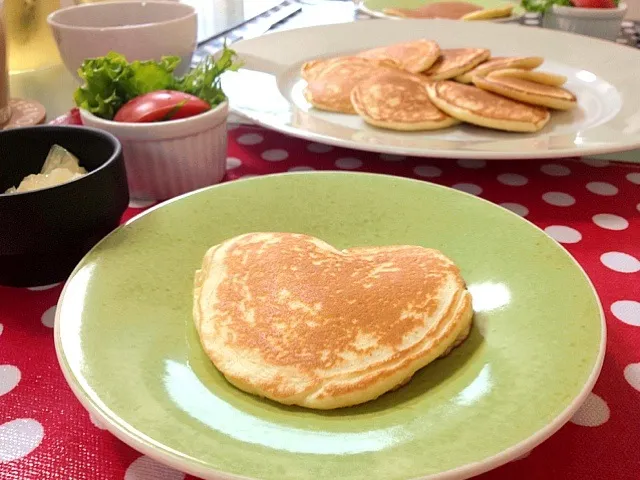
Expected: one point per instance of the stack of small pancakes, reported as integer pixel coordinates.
(416, 85)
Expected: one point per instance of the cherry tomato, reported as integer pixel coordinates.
(593, 3)
(161, 106)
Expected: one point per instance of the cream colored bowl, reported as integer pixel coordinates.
(167, 159)
(138, 30)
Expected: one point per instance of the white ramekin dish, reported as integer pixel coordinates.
(601, 23)
(166, 159)
(138, 30)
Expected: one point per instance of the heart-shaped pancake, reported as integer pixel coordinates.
(291, 318)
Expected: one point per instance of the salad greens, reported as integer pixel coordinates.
(111, 81)
(542, 6)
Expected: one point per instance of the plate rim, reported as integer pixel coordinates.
(192, 466)
(619, 144)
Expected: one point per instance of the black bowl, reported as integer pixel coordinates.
(45, 233)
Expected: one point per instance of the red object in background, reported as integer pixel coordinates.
(161, 106)
(71, 118)
(594, 3)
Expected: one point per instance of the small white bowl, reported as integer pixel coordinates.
(601, 23)
(138, 30)
(166, 159)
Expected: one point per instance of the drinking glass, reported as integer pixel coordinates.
(5, 110)
(31, 45)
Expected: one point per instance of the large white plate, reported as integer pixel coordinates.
(605, 77)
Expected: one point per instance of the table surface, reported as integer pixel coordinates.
(592, 207)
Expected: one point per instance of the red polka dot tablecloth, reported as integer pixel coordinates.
(590, 207)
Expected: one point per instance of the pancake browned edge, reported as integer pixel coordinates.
(473, 105)
(330, 83)
(499, 63)
(290, 318)
(415, 56)
(398, 100)
(456, 61)
(526, 91)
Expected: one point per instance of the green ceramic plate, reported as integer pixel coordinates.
(375, 7)
(127, 346)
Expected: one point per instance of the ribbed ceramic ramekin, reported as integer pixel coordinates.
(167, 159)
(601, 23)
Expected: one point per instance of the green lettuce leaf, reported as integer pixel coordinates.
(541, 6)
(110, 81)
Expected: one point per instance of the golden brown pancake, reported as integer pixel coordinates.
(291, 318)
(489, 13)
(545, 78)
(456, 61)
(447, 10)
(500, 63)
(398, 100)
(526, 91)
(415, 56)
(330, 84)
(479, 107)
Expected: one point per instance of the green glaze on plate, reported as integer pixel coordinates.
(376, 7)
(127, 346)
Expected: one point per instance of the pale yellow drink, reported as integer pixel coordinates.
(29, 38)
(5, 111)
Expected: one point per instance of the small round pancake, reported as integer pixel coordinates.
(447, 10)
(398, 100)
(500, 63)
(545, 78)
(526, 91)
(415, 56)
(456, 61)
(489, 13)
(330, 84)
(473, 105)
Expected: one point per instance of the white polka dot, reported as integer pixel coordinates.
(473, 164)
(620, 262)
(301, 168)
(427, 171)
(141, 203)
(43, 287)
(593, 412)
(627, 311)
(555, 170)
(610, 222)
(559, 199)
(233, 162)
(145, 468)
(563, 234)
(595, 162)
(319, 148)
(1, 328)
(638, 207)
(632, 375)
(513, 179)
(348, 163)
(18, 438)
(387, 157)
(9, 378)
(471, 188)
(96, 422)
(48, 318)
(275, 155)
(602, 188)
(634, 177)
(250, 139)
(516, 208)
